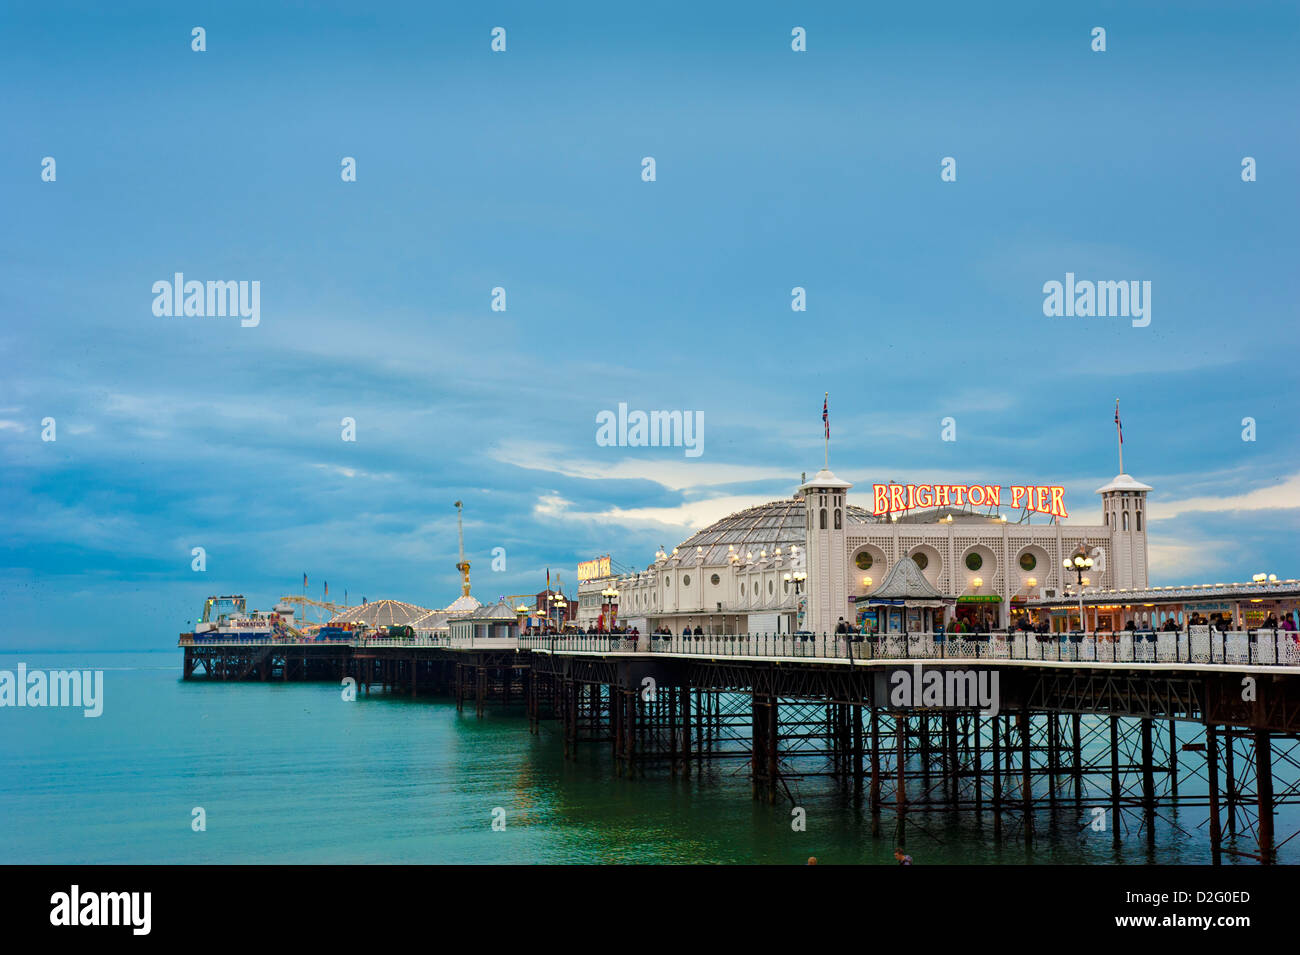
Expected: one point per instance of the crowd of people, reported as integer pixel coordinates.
(577, 630)
(1218, 622)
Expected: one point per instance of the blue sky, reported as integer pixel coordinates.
(522, 170)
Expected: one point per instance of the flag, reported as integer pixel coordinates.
(327, 590)
(826, 415)
(304, 581)
(1118, 427)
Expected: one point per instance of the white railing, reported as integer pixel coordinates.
(1252, 648)
(580, 642)
(1200, 646)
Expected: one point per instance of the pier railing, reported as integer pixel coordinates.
(1201, 645)
(584, 642)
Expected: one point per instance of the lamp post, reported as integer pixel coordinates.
(1079, 564)
(611, 595)
(557, 604)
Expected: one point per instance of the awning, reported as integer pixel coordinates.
(980, 599)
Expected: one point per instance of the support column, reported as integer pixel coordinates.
(874, 797)
(1212, 773)
(1114, 777)
(1264, 791)
(1026, 783)
(900, 832)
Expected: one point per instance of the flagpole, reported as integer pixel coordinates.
(1119, 437)
(828, 431)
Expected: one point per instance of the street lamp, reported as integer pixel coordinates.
(1079, 564)
(557, 603)
(611, 595)
(798, 577)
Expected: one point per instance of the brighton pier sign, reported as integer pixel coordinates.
(1037, 498)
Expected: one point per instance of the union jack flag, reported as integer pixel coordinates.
(1119, 427)
(826, 415)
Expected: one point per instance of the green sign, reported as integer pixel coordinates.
(979, 599)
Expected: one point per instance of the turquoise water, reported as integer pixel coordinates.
(292, 774)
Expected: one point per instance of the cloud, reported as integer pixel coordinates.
(1275, 497)
(674, 475)
(1173, 559)
(684, 518)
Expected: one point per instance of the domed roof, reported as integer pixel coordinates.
(1124, 482)
(462, 605)
(756, 529)
(382, 613)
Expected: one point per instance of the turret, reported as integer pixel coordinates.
(824, 507)
(1124, 511)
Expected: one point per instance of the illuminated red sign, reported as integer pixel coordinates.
(1038, 498)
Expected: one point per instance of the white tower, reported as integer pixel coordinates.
(1124, 509)
(828, 590)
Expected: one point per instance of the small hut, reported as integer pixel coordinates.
(905, 602)
(495, 622)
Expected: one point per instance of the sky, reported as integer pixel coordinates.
(523, 170)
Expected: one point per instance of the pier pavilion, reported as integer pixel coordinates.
(802, 563)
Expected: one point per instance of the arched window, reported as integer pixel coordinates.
(1139, 522)
(823, 518)
(1106, 517)
(837, 519)
(1126, 520)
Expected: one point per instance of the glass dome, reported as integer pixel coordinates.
(756, 529)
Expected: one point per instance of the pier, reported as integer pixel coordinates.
(1198, 730)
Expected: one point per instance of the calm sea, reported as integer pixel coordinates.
(291, 774)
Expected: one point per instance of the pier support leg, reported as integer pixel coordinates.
(1212, 772)
(1114, 778)
(900, 826)
(1264, 793)
(1026, 780)
(996, 736)
(1148, 774)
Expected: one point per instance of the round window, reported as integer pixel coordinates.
(668, 581)
(974, 561)
(715, 580)
(921, 560)
(786, 586)
(1028, 561)
(864, 561)
(686, 581)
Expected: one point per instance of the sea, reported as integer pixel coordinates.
(202, 773)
